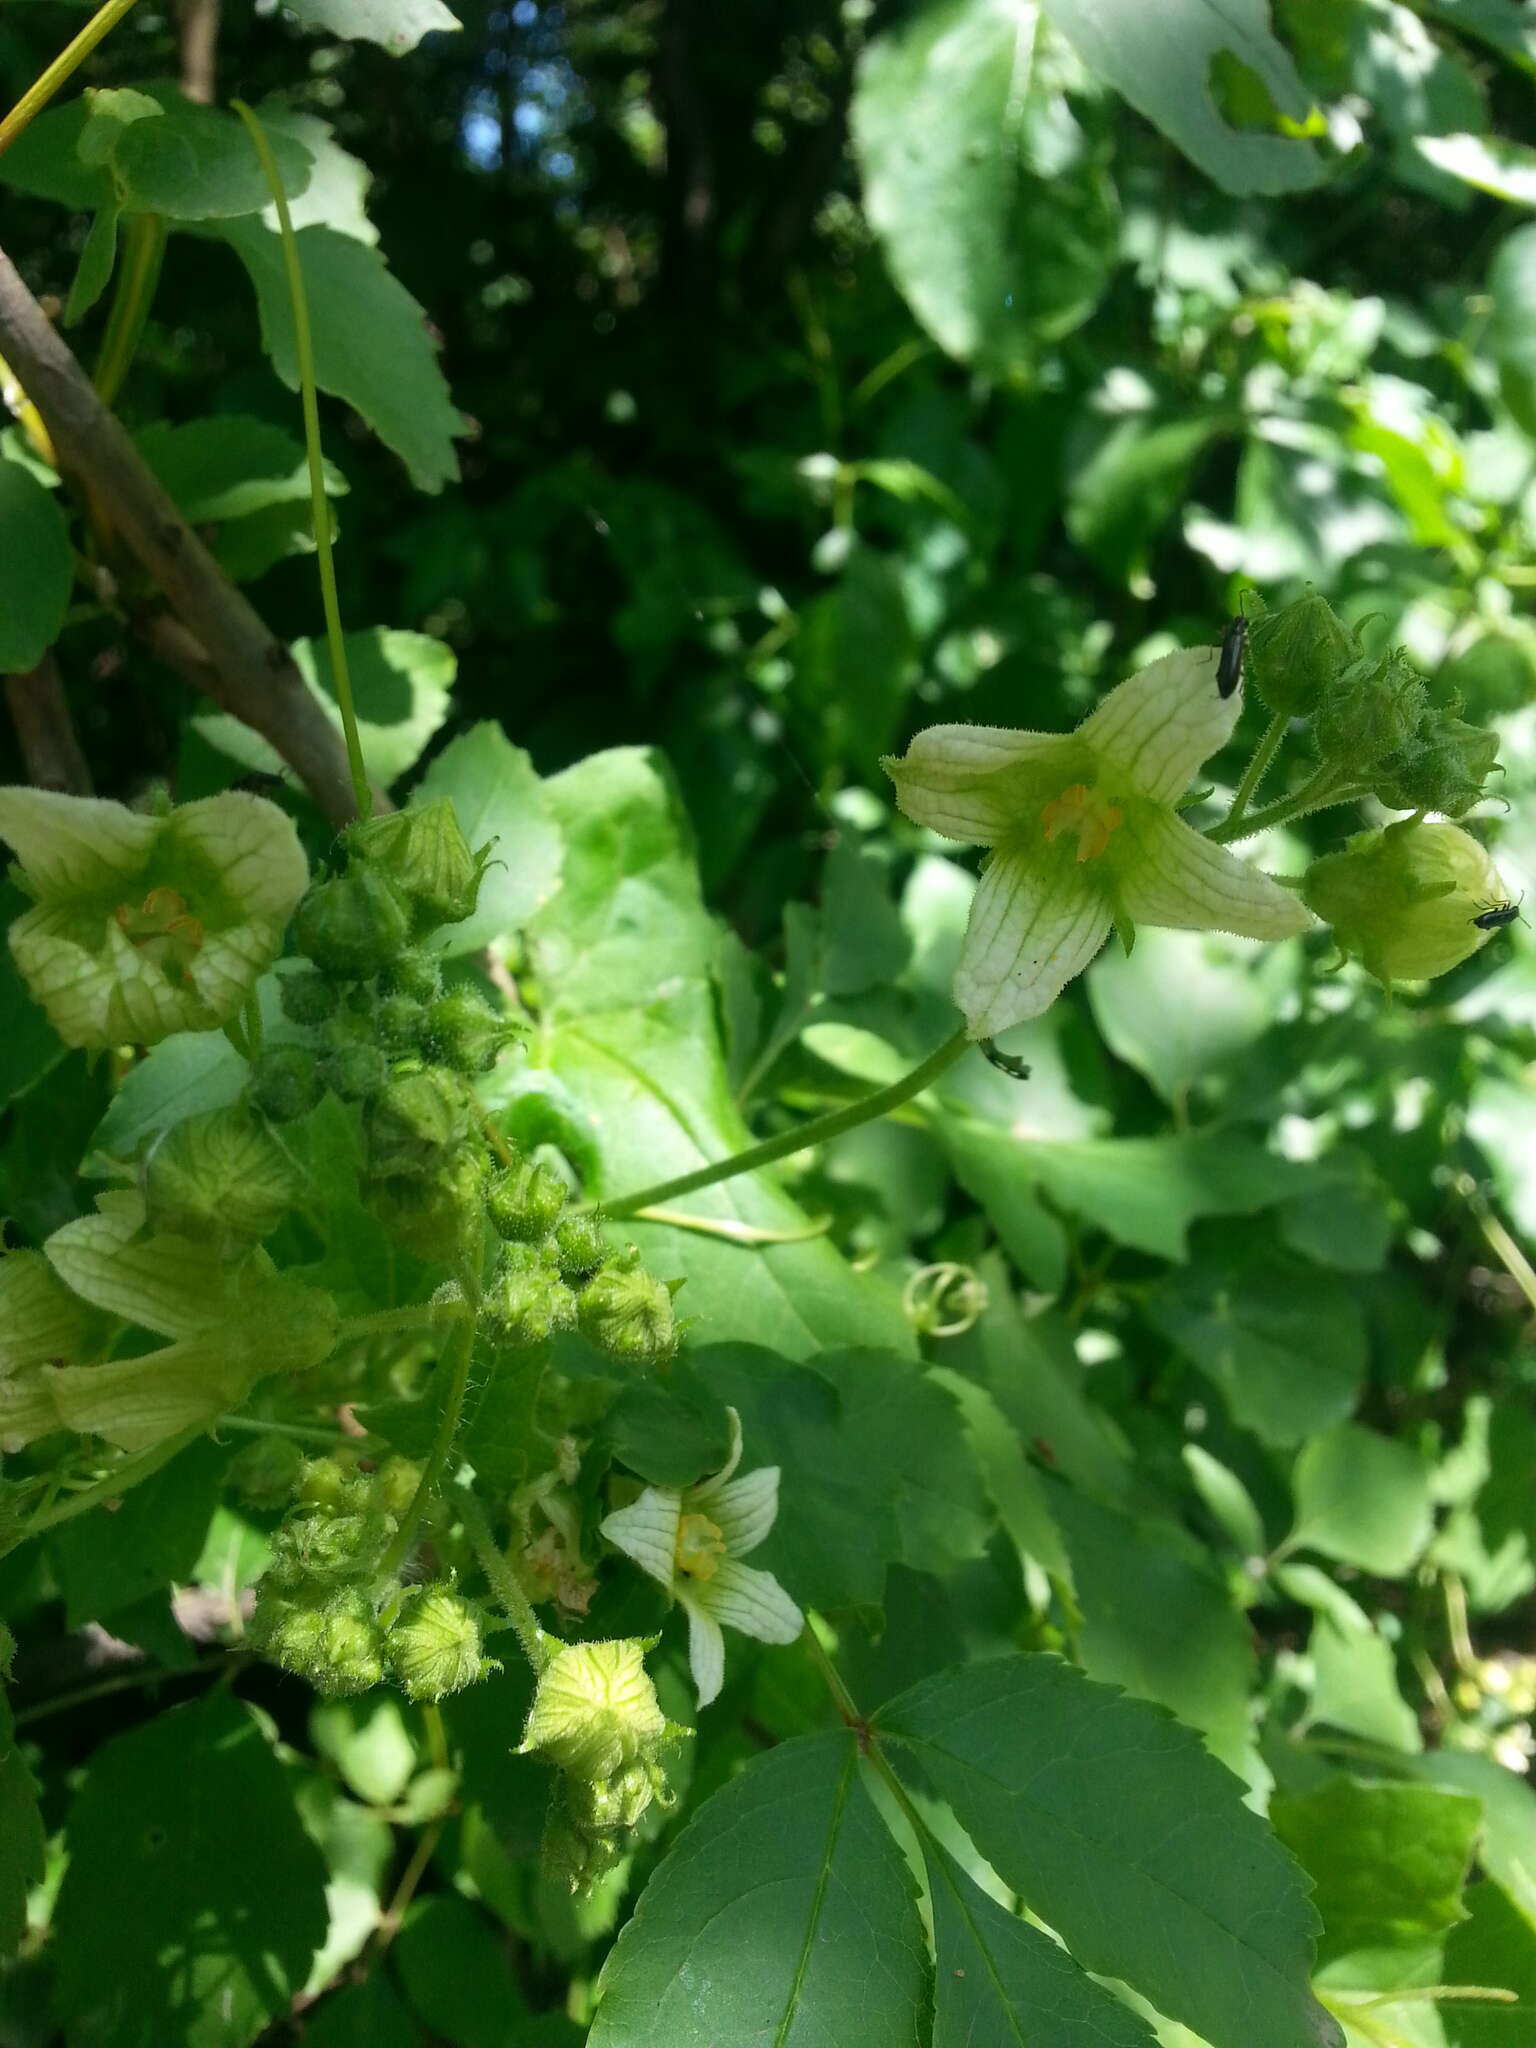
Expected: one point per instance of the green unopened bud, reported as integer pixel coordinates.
(579, 1246)
(575, 1858)
(395, 1484)
(329, 1547)
(350, 1656)
(1405, 901)
(285, 1082)
(628, 1313)
(525, 1201)
(307, 997)
(1295, 653)
(424, 855)
(437, 1217)
(466, 1033)
(289, 1632)
(1443, 767)
(610, 1805)
(1370, 713)
(595, 1710)
(264, 1472)
(220, 1178)
(353, 926)
(433, 1647)
(355, 1072)
(526, 1302)
(400, 1022)
(415, 1123)
(334, 1484)
(417, 974)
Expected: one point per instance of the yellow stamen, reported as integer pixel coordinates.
(700, 1547)
(1081, 810)
(163, 929)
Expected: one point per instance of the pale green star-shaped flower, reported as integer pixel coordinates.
(1085, 836)
(693, 1542)
(145, 925)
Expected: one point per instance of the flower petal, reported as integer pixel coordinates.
(1179, 878)
(706, 1651)
(253, 845)
(647, 1531)
(954, 779)
(1156, 729)
(744, 1510)
(70, 844)
(1033, 926)
(743, 1598)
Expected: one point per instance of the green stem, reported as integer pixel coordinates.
(864, 1111)
(385, 1322)
(1323, 789)
(69, 59)
(457, 1368)
(304, 352)
(121, 1681)
(130, 1473)
(132, 296)
(503, 1582)
(301, 1432)
(1258, 767)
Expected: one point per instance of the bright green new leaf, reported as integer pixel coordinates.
(1161, 60)
(784, 1913)
(1507, 1851)
(1230, 993)
(1118, 1829)
(396, 25)
(500, 802)
(1362, 1498)
(37, 569)
(230, 466)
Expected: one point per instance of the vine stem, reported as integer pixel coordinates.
(140, 273)
(131, 1472)
(463, 1343)
(1315, 795)
(511, 1598)
(69, 59)
(817, 1132)
(304, 352)
(1258, 767)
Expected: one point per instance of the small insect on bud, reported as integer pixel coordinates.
(307, 997)
(1410, 902)
(1497, 916)
(466, 1033)
(1229, 668)
(527, 1301)
(525, 1201)
(352, 926)
(285, 1082)
(628, 1313)
(220, 1178)
(433, 1646)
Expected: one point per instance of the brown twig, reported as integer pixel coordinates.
(197, 23)
(45, 732)
(246, 670)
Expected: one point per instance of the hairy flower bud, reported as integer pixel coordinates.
(352, 926)
(400, 1022)
(332, 1484)
(417, 974)
(1405, 901)
(355, 1072)
(1443, 768)
(527, 1301)
(285, 1082)
(467, 1034)
(426, 857)
(307, 997)
(579, 1246)
(264, 1472)
(628, 1312)
(433, 1645)
(349, 1658)
(415, 1122)
(525, 1201)
(1370, 713)
(220, 1178)
(1295, 653)
(595, 1710)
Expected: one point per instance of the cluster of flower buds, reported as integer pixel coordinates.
(597, 1719)
(1373, 717)
(327, 1611)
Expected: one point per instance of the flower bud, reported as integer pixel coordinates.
(1371, 711)
(400, 1022)
(349, 1658)
(1404, 901)
(332, 1484)
(307, 997)
(579, 1246)
(355, 1072)
(220, 1178)
(595, 1710)
(417, 974)
(628, 1313)
(437, 1217)
(1442, 768)
(415, 1122)
(264, 1472)
(433, 1647)
(352, 926)
(395, 1484)
(466, 1033)
(1295, 653)
(426, 857)
(525, 1201)
(526, 1302)
(611, 1805)
(572, 1857)
(285, 1082)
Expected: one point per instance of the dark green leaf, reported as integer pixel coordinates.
(784, 1913)
(456, 1974)
(1493, 1946)
(1230, 992)
(198, 163)
(852, 657)
(36, 569)
(1362, 1498)
(370, 2012)
(1119, 1830)
(108, 1561)
(225, 468)
(1147, 1191)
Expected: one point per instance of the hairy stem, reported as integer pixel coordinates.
(69, 59)
(879, 1103)
(304, 350)
(456, 1365)
(1324, 789)
(1258, 767)
(503, 1582)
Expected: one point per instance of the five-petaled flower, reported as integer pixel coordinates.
(145, 925)
(1085, 836)
(693, 1541)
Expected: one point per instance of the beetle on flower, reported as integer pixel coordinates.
(1085, 836)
